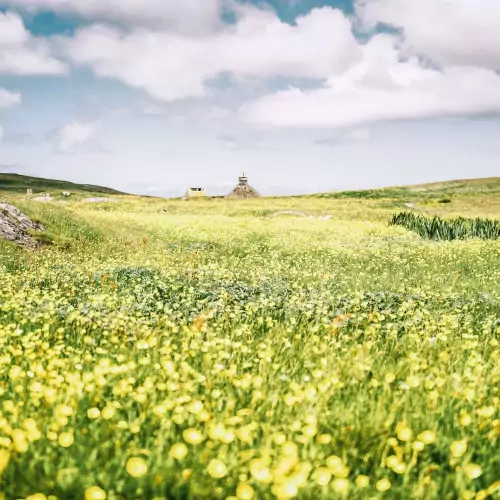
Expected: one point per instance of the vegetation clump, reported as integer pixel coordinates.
(459, 228)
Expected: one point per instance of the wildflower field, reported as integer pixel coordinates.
(179, 350)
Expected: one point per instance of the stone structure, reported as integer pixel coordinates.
(195, 192)
(243, 190)
(16, 227)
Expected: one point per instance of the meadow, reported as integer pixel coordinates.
(168, 349)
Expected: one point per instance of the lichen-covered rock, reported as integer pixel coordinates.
(14, 226)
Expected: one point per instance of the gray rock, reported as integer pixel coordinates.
(14, 226)
(411, 205)
(289, 212)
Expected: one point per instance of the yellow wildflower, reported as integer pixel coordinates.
(458, 448)
(244, 492)
(192, 436)
(136, 467)
(95, 493)
(178, 451)
(383, 485)
(216, 469)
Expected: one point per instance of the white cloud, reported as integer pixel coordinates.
(2, 133)
(153, 110)
(359, 135)
(380, 87)
(9, 99)
(176, 50)
(451, 32)
(170, 66)
(23, 54)
(76, 137)
(186, 16)
(242, 142)
(356, 135)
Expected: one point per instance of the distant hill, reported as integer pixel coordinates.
(429, 191)
(16, 183)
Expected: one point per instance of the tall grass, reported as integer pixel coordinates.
(458, 228)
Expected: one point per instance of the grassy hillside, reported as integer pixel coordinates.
(15, 183)
(430, 191)
(210, 350)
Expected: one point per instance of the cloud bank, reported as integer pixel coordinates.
(76, 136)
(176, 50)
(23, 54)
(450, 32)
(381, 86)
(9, 99)
(171, 66)
(188, 16)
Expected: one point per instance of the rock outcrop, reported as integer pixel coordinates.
(15, 226)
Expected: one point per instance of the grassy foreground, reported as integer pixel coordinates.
(205, 349)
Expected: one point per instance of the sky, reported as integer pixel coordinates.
(153, 96)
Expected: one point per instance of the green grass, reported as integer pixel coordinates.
(214, 351)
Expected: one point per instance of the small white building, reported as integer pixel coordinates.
(195, 192)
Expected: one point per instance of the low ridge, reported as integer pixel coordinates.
(432, 190)
(17, 183)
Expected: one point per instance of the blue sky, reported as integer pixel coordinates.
(303, 95)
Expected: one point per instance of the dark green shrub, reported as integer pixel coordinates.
(458, 228)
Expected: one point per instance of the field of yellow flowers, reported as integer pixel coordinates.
(208, 350)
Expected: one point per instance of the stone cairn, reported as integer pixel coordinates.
(243, 190)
